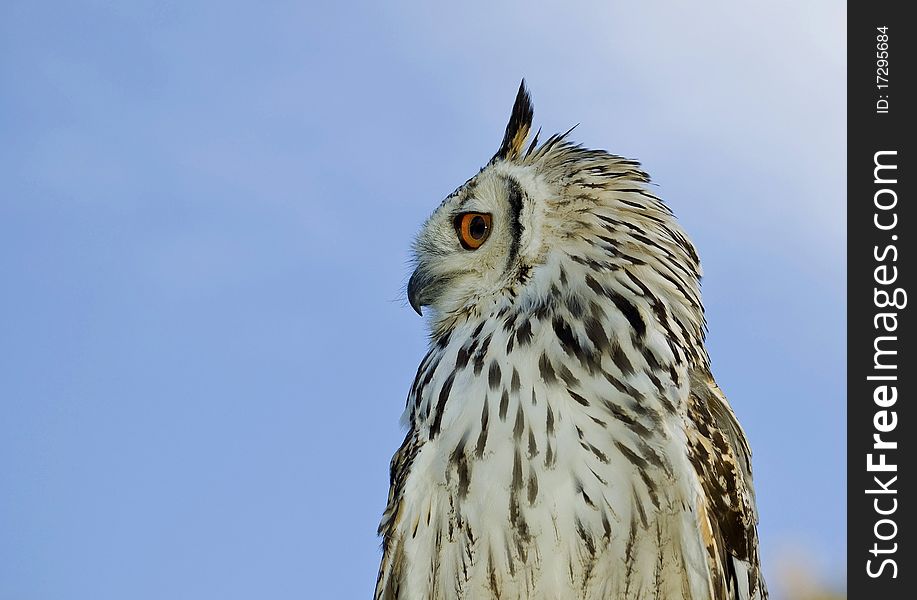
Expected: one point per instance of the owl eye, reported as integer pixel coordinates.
(473, 229)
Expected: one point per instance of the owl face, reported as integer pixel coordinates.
(543, 224)
(476, 246)
(469, 247)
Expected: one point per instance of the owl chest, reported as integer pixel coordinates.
(528, 491)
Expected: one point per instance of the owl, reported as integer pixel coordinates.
(565, 436)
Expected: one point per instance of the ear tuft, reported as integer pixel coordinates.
(517, 130)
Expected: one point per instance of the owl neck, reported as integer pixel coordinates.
(594, 306)
(572, 320)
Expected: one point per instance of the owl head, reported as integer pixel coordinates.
(548, 224)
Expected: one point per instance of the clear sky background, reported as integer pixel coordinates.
(206, 210)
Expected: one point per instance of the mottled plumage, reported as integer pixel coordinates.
(566, 438)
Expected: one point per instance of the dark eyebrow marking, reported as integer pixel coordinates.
(515, 197)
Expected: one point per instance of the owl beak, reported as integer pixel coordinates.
(415, 291)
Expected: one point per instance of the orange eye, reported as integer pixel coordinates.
(473, 229)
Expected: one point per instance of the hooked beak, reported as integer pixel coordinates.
(425, 287)
(415, 291)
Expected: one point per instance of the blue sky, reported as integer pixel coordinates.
(206, 212)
